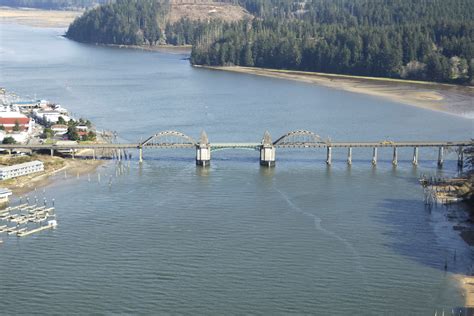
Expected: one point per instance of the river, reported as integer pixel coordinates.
(167, 237)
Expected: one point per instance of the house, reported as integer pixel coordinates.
(11, 119)
(25, 105)
(49, 116)
(59, 129)
(82, 128)
(22, 169)
(19, 137)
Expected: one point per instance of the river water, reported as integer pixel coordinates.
(167, 237)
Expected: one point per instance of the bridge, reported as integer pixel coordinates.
(267, 147)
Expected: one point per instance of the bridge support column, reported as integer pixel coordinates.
(203, 155)
(203, 151)
(349, 156)
(395, 156)
(267, 151)
(374, 156)
(440, 157)
(140, 154)
(267, 156)
(460, 158)
(52, 152)
(93, 154)
(415, 156)
(329, 156)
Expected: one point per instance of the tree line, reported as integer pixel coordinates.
(429, 40)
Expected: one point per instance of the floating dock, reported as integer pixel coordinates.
(28, 219)
(51, 225)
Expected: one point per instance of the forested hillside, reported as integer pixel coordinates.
(151, 22)
(429, 40)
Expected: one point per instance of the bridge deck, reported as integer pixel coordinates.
(241, 145)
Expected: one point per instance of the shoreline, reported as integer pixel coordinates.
(466, 283)
(446, 98)
(28, 183)
(170, 49)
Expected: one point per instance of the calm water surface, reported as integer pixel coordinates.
(232, 239)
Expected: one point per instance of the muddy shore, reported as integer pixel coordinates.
(446, 98)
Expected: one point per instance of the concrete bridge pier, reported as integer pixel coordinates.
(203, 151)
(395, 156)
(267, 156)
(267, 151)
(460, 158)
(440, 157)
(52, 152)
(140, 154)
(349, 156)
(415, 156)
(374, 156)
(329, 156)
(203, 155)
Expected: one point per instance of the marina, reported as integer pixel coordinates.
(24, 220)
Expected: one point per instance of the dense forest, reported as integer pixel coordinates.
(430, 40)
(53, 4)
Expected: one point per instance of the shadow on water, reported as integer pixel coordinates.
(423, 235)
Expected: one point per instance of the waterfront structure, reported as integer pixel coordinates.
(50, 116)
(26, 105)
(9, 172)
(4, 195)
(11, 120)
(59, 129)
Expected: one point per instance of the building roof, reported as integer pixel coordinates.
(59, 126)
(21, 165)
(12, 114)
(13, 120)
(5, 192)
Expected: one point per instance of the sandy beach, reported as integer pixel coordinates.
(39, 18)
(451, 99)
(467, 285)
(53, 165)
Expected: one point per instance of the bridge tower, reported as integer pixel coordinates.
(267, 151)
(203, 151)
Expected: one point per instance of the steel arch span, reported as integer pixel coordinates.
(300, 138)
(169, 139)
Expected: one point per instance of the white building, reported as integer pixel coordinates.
(22, 169)
(10, 119)
(19, 137)
(59, 129)
(4, 194)
(50, 116)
